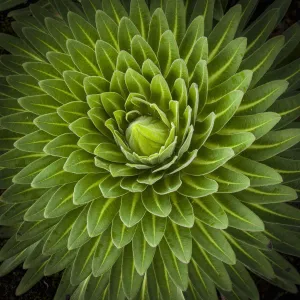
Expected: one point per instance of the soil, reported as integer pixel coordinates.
(45, 289)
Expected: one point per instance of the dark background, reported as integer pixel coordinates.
(45, 289)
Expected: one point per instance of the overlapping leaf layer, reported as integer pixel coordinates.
(149, 149)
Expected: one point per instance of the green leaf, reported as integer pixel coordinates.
(259, 31)
(273, 143)
(83, 57)
(158, 25)
(33, 142)
(242, 280)
(114, 9)
(41, 71)
(61, 202)
(219, 37)
(136, 83)
(10, 264)
(126, 61)
(208, 160)
(41, 41)
(101, 214)
(268, 194)
(17, 46)
(52, 124)
(26, 175)
(82, 266)
(65, 287)
(205, 9)
(287, 168)
(80, 162)
(212, 267)
(87, 188)
(143, 253)
(107, 58)
(132, 209)
(262, 59)
(168, 184)
(30, 230)
(237, 142)
(177, 270)
(142, 51)
(62, 146)
(36, 211)
(292, 38)
(58, 89)
(230, 60)
(18, 193)
(7, 176)
(95, 85)
(167, 288)
(105, 255)
(179, 240)
(283, 239)
(91, 7)
(40, 105)
(14, 213)
(18, 159)
(20, 122)
(121, 235)
(115, 287)
(118, 85)
(110, 152)
(248, 7)
(74, 81)
(258, 173)
(58, 238)
(182, 211)
(107, 28)
(157, 205)
(229, 181)
(210, 212)
(239, 216)
(214, 242)
(167, 51)
(82, 30)
(288, 109)
(31, 277)
(153, 228)
(201, 283)
(178, 71)
(82, 126)
(259, 124)
(127, 30)
(195, 187)
(131, 280)
(176, 16)
(61, 62)
(140, 15)
(193, 33)
(251, 257)
(25, 84)
(54, 174)
(160, 93)
(240, 81)
(282, 267)
(261, 98)
(254, 239)
(278, 213)
(59, 31)
(79, 234)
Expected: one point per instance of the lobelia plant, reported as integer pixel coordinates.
(150, 149)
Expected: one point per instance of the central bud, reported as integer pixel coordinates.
(146, 135)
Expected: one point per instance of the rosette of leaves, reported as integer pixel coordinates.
(149, 149)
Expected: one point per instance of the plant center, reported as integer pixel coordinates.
(146, 135)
